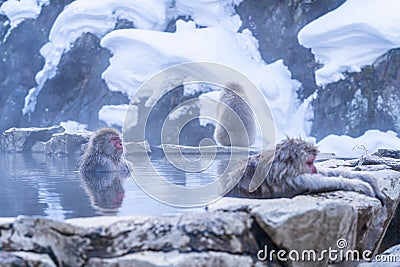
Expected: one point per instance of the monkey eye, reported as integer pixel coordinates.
(115, 138)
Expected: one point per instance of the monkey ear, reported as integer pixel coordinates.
(262, 170)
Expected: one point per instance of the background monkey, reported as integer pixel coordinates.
(103, 153)
(234, 97)
(293, 173)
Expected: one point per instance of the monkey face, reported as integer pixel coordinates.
(310, 164)
(116, 142)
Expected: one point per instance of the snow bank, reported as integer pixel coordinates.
(18, 11)
(113, 115)
(73, 126)
(352, 36)
(210, 13)
(99, 17)
(155, 51)
(346, 146)
(343, 40)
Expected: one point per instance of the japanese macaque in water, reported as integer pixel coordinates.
(103, 153)
(234, 98)
(293, 173)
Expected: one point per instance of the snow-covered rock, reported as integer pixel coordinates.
(23, 139)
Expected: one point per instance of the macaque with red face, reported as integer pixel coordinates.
(103, 153)
(293, 173)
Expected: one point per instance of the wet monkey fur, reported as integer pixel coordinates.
(293, 173)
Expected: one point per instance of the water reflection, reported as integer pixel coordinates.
(106, 190)
(33, 184)
(36, 184)
(183, 180)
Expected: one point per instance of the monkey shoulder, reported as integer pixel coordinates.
(100, 164)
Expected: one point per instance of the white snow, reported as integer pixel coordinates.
(100, 16)
(18, 11)
(346, 39)
(352, 36)
(29, 129)
(178, 112)
(371, 140)
(155, 51)
(73, 126)
(210, 13)
(113, 115)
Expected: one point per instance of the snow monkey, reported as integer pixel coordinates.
(293, 173)
(234, 96)
(103, 153)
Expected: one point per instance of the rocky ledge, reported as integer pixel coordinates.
(52, 140)
(230, 232)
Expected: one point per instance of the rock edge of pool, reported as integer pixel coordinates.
(232, 232)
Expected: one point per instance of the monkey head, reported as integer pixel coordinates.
(297, 156)
(106, 142)
(103, 153)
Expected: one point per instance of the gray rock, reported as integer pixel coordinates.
(39, 147)
(389, 153)
(392, 236)
(276, 24)
(66, 143)
(77, 91)
(21, 61)
(35, 259)
(387, 180)
(302, 223)
(65, 242)
(71, 244)
(9, 259)
(373, 160)
(389, 258)
(23, 139)
(353, 105)
(174, 258)
(350, 106)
